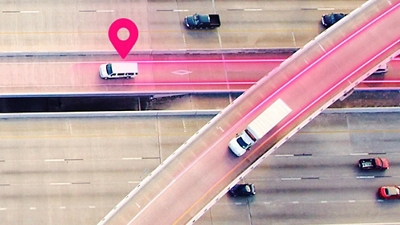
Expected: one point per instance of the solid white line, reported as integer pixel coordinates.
(365, 177)
(291, 178)
(359, 153)
(32, 208)
(54, 160)
(2, 209)
(133, 182)
(133, 158)
(60, 183)
(331, 9)
(287, 155)
(252, 10)
(92, 207)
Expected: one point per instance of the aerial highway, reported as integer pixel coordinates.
(79, 76)
(74, 169)
(302, 76)
(70, 27)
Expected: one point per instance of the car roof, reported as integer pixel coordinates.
(124, 67)
(391, 190)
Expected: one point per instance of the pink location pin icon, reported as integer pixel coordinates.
(123, 47)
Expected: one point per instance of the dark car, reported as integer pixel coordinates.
(389, 192)
(243, 190)
(373, 164)
(382, 69)
(330, 19)
(202, 21)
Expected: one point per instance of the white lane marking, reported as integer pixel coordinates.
(63, 207)
(291, 178)
(2, 209)
(324, 202)
(361, 153)
(287, 155)
(252, 10)
(329, 9)
(365, 177)
(32, 208)
(133, 182)
(60, 183)
(294, 39)
(220, 128)
(133, 158)
(295, 202)
(69, 126)
(96, 11)
(92, 207)
(180, 10)
(352, 201)
(184, 126)
(54, 160)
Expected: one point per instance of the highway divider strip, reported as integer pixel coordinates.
(152, 52)
(174, 113)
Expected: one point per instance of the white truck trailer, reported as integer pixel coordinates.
(259, 127)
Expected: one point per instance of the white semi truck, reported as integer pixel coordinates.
(259, 127)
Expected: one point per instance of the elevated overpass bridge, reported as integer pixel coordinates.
(198, 173)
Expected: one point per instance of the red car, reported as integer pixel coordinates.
(373, 164)
(389, 192)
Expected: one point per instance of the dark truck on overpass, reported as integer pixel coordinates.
(202, 21)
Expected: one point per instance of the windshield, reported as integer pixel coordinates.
(195, 18)
(242, 143)
(336, 17)
(108, 68)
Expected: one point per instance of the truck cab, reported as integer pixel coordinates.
(242, 143)
(260, 126)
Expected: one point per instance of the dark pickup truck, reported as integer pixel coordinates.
(202, 21)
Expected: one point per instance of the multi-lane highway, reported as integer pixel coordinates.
(158, 74)
(69, 26)
(299, 82)
(74, 170)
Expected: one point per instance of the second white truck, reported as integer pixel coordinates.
(259, 127)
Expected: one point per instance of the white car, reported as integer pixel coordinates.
(118, 70)
(241, 143)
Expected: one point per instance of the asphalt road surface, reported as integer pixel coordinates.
(71, 26)
(79, 76)
(74, 170)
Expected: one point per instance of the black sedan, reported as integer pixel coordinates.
(243, 190)
(330, 19)
(373, 164)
